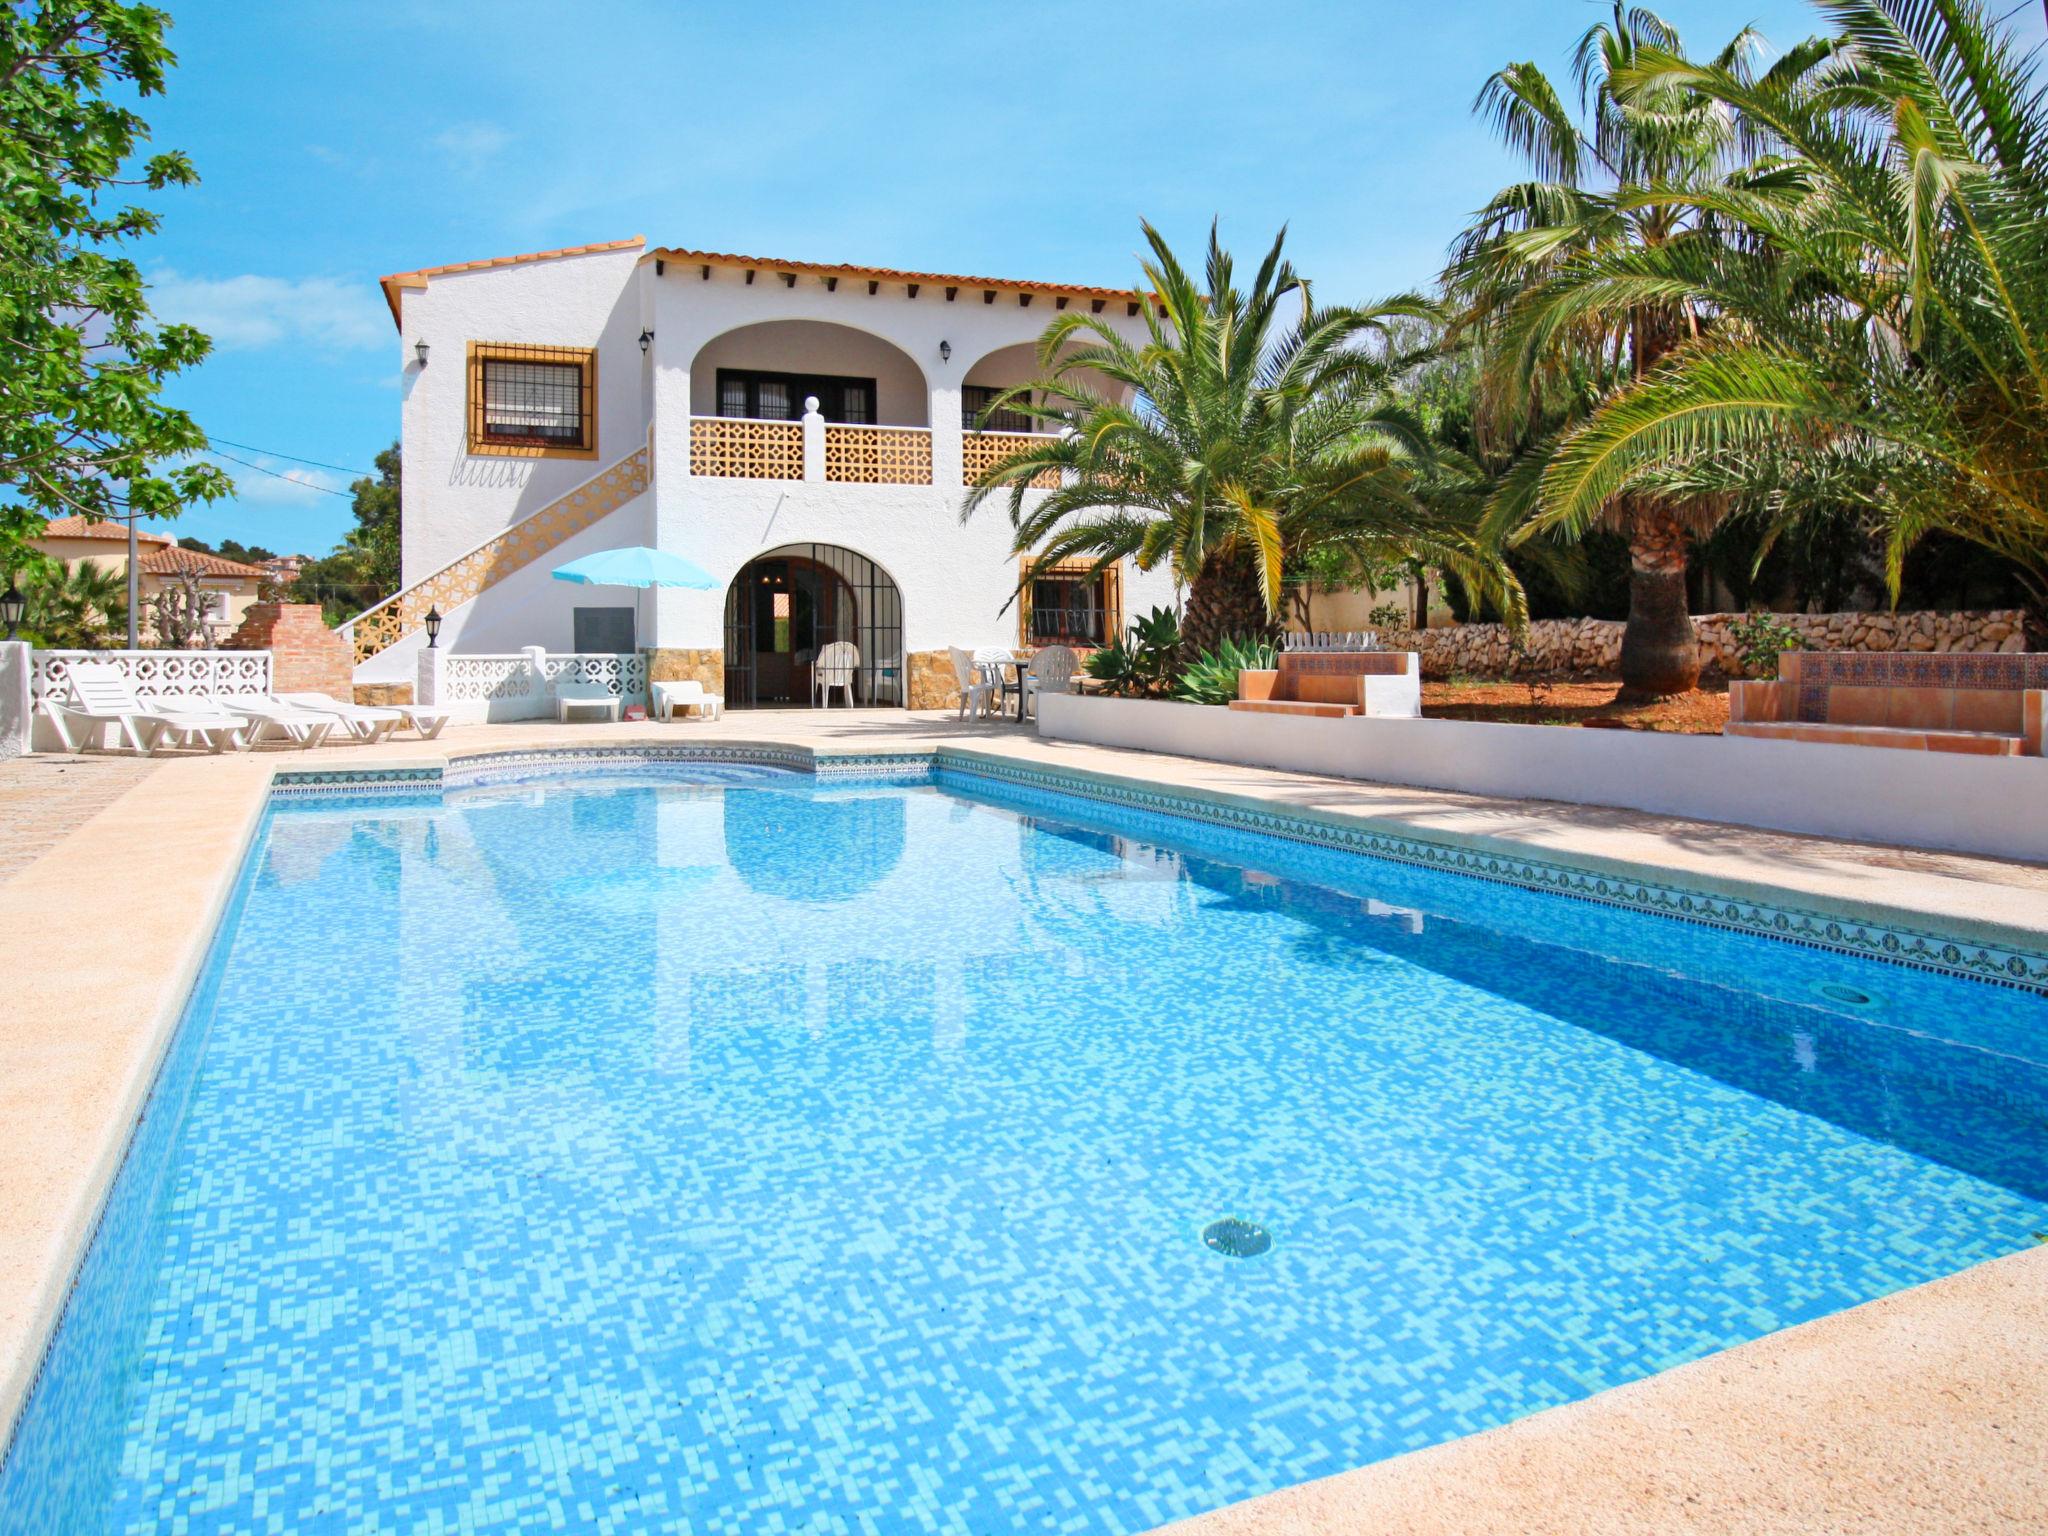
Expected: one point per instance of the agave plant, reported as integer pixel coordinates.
(1211, 678)
(1142, 662)
(1878, 318)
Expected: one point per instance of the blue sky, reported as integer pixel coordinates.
(340, 141)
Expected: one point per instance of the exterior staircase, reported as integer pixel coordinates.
(383, 626)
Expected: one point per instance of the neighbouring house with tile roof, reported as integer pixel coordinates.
(226, 587)
(806, 431)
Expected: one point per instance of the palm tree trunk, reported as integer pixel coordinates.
(1225, 600)
(1660, 654)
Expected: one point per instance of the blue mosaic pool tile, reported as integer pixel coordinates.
(729, 1150)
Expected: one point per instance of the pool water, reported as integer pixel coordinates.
(738, 1152)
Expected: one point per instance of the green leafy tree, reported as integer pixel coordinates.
(82, 427)
(364, 569)
(1228, 443)
(1880, 326)
(1556, 337)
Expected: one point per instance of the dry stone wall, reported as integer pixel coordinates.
(1592, 647)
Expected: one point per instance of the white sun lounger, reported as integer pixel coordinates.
(359, 720)
(302, 727)
(573, 696)
(101, 695)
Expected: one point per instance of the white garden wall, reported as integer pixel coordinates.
(1988, 805)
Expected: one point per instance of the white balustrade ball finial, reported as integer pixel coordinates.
(810, 405)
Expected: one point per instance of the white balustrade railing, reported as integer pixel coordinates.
(185, 674)
(521, 685)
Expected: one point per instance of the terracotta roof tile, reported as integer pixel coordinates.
(171, 560)
(890, 274)
(399, 282)
(418, 279)
(80, 528)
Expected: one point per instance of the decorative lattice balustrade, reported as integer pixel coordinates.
(625, 676)
(523, 685)
(732, 448)
(981, 452)
(467, 679)
(491, 562)
(185, 674)
(878, 455)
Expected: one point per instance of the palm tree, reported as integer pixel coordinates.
(1521, 269)
(75, 608)
(1882, 324)
(1233, 444)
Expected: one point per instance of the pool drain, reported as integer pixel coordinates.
(1852, 997)
(1236, 1239)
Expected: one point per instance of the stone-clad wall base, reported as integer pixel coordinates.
(1592, 647)
(688, 666)
(379, 695)
(932, 684)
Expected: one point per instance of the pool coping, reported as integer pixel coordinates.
(211, 856)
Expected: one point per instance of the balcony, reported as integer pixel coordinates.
(737, 448)
(982, 451)
(856, 455)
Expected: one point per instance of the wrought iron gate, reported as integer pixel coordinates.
(788, 604)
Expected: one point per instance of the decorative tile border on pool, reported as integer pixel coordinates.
(353, 781)
(1918, 949)
(497, 768)
(511, 767)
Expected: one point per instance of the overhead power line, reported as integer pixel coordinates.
(294, 457)
(325, 490)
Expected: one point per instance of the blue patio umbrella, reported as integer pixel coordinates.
(637, 566)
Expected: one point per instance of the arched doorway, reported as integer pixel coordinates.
(787, 604)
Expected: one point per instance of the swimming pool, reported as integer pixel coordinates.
(726, 1150)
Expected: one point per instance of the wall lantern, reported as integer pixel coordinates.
(945, 351)
(433, 624)
(419, 350)
(12, 606)
(646, 338)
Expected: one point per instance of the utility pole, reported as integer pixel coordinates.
(134, 586)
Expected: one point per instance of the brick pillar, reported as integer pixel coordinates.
(305, 655)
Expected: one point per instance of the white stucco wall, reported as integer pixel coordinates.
(1987, 805)
(454, 500)
(955, 580)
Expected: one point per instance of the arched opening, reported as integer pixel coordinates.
(764, 371)
(788, 605)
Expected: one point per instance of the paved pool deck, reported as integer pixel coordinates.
(1921, 1412)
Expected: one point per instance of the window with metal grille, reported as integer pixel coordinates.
(975, 398)
(532, 400)
(781, 396)
(1069, 610)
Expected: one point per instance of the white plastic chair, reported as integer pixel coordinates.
(994, 662)
(835, 668)
(974, 689)
(686, 696)
(1051, 671)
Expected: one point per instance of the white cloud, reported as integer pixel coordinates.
(253, 311)
(277, 482)
(469, 146)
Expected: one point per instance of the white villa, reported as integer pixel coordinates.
(571, 401)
